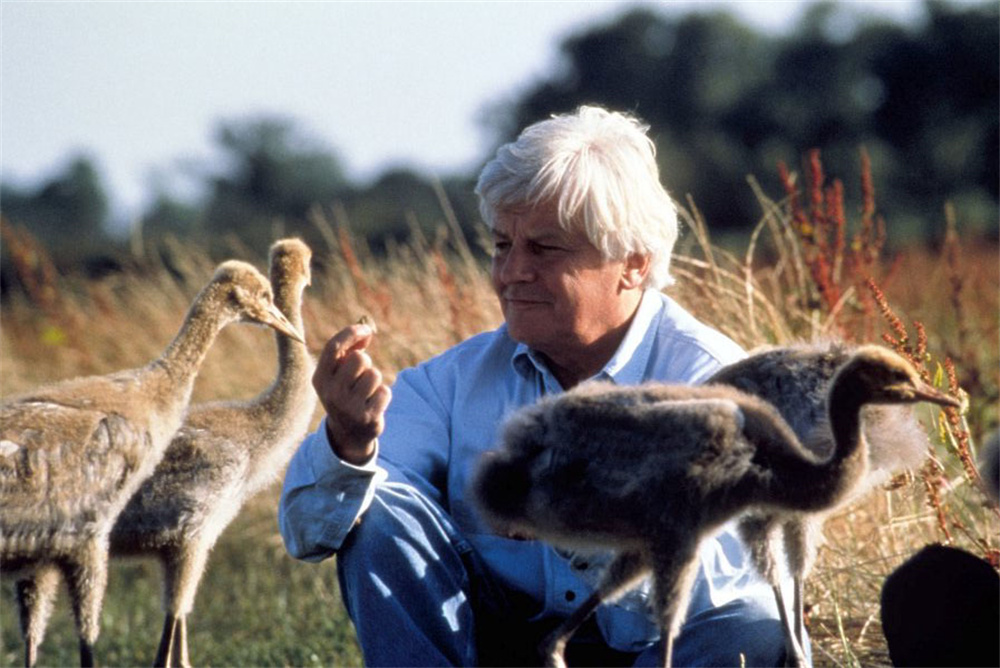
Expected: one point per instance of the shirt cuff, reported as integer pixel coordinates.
(351, 486)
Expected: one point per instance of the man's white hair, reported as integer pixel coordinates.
(599, 167)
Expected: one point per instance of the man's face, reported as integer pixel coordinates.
(557, 293)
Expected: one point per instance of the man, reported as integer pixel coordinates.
(582, 232)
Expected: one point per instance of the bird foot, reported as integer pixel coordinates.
(554, 652)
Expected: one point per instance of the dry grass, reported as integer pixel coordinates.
(804, 275)
(807, 274)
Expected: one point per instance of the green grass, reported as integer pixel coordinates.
(256, 607)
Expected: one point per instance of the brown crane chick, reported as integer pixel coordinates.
(225, 452)
(73, 453)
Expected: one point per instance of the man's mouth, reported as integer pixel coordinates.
(515, 298)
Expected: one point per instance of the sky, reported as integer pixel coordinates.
(140, 86)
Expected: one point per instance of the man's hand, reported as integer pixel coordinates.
(351, 390)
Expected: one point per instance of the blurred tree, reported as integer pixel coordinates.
(68, 212)
(273, 174)
(725, 102)
(169, 215)
(939, 107)
(401, 198)
(684, 77)
(169, 212)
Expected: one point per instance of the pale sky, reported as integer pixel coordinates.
(140, 86)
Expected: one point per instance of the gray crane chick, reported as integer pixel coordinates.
(225, 452)
(652, 470)
(796, 379)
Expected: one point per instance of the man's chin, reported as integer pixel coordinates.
(524, 332)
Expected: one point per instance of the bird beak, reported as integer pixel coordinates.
(278, 321)
(925, 392)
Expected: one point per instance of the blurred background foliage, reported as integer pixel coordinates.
(726, 102)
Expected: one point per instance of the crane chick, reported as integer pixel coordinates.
(796, 379)
(652, 470)
(73, 453)
(223, 453)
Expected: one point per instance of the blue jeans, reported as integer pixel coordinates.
(419, 596)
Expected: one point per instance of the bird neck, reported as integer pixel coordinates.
(288, 299)
(849, 462)
(804, 483)
(294, 363)
(844, 404)
(183, 357)
(288, 402)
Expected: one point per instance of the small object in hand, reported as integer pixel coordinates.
(368, 320)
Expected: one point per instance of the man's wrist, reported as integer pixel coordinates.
(356, 456)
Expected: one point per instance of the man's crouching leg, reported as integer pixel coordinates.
(405, 583)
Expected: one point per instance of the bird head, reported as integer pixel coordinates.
(888, 378)
(290, 258)
(248, 294)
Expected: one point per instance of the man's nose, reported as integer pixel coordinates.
(516, 266)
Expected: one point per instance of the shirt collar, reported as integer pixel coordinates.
(626, 367)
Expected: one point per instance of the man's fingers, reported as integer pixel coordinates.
(342, 359)
(366, 380)
(353, 337)
(351, 389)
(379, 400)
(348, 383)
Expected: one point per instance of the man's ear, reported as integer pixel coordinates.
(635, 271)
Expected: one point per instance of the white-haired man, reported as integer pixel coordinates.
(582, 232)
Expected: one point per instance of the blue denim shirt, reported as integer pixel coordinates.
(447, 411)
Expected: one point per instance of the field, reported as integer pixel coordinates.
(808, 272)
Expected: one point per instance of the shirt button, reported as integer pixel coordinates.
(570, 595)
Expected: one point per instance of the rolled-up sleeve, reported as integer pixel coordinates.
(322, 497)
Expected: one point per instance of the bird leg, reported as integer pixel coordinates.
(794, 656)
(800, 623)
(88, 579)
(761, 535)
(180, 650)
(35, 595)
(554, 645)
(173, 643)
(799, 549)
(86, 653)
(168, 640)
(182, 573)
(667, 651)
(675, 568)
(621, 575)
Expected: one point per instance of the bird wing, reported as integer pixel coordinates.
(795, 380)
(63, 463)
(680, 436)
(199, 465)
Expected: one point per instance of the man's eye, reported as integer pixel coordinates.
(538, 249)
(501, 246)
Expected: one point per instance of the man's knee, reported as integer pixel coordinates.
(402, 567)
(401, 540)
(399, 525)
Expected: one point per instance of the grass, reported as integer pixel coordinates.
(809, 271)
